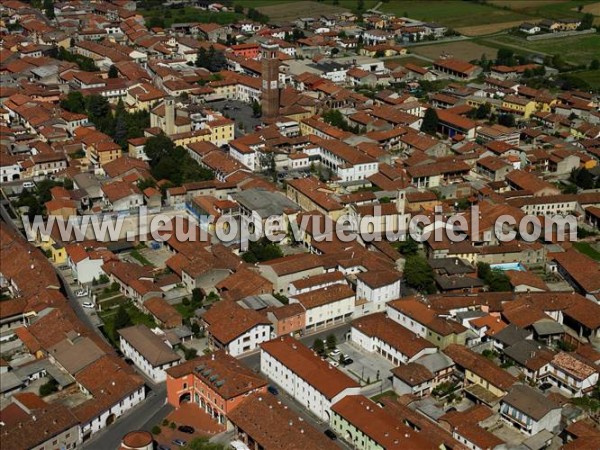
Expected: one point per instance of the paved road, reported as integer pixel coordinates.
(143, 417)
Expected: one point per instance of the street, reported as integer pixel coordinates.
(143, 417)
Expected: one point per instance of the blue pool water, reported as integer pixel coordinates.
(508, 266)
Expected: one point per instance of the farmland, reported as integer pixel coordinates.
(290, 11)
(576, 49)
(165, 17)
(592, 77)
(463, 50)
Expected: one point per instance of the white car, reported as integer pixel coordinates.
(335, 352)
(88, 305)
(81, 293)
(334, 363)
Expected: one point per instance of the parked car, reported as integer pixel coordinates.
(28, 185)
(186, 429)
(273, 390)
(334, 363)
(335, 352)
(88, 305)
(163, 447)
(179, 442)
(330, 434)
(347, 362)
(545, 386)
(81, 293)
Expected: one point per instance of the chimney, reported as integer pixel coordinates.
(212, 357)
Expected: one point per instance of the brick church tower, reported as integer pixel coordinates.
(270, 80)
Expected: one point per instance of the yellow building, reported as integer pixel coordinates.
(102, 153)
(519, 106)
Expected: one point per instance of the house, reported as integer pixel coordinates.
(580, 271)
(377, 287)
(86, 266)
(366, 425)
(376, 333)
(426, 322)
(483, 379)
(235, 329)
(422, 375)
(122, 196)
(529, 28)
(326, 306)
(455, 68)
(529, 411)
(573, 373)
(148, 351)
(527, 181)
(311, 381)
(262, 421)
(164, 313)
(218, 383)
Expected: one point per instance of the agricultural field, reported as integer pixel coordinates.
(281, 12)
(575, 49)
(410, 60)
(453, 13)
(492, 28)
(187, 14)
(592, 77)
(466, 50)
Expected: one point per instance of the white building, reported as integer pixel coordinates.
(235, 329)
(149, 352)
(314, 383)
(528, 410)
(378, 287)
(573, 374)
(326, 306)
(376, 333)
(85, 266)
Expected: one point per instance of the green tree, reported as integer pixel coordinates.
(331, 341)
(113, 72)
(587, 21)
(262, 250)
(430, 122)
(507, 120)
(74, 102)
(197, 296)
(318, 346)
(418, 274)
(48, 388)
(506, 57)
(595, 64)
(156, 430)
(408, 247)
(49, 9)
(203, 443)
(122, 318)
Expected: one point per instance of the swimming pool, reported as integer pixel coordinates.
(508, 266)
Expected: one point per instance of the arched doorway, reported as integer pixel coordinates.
(349, 436)
(110, 419)
(185, 398)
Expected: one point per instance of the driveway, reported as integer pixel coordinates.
(367, 367)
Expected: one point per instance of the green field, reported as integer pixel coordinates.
(410, 60)
(188, 14)
(587, 249)
(592, 77)
(546, 9)
(452, 13)
(575, 49)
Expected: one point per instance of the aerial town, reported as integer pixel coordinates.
(300, 225)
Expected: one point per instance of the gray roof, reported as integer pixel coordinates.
(435, 362)
(511, 335)
(25, 371)
(539, 440)
(547, 327)
(258, 302)
(523, 351)
(452, 266)
(265, 203)
(45, 71)
(8, 382)
(75, 354)
(149, 345)
(529, 401)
